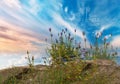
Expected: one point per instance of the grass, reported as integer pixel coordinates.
(66, 75)
(68, 67)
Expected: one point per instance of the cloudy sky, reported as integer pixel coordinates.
(24, 24)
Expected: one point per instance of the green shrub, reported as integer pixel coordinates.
(64, 48)
(66, 56)
(103, 50)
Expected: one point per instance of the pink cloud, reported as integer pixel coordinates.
(17, 39)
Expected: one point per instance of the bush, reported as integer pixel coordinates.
(66, 48)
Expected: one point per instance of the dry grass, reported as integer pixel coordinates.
(100, 74)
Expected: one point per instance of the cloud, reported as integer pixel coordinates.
(105, 27)
(4, 29)
(17, 38)
(116, 41)
(71, 27)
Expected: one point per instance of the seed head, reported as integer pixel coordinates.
(72, 39)
(107, 44)
(90, 46)
(79, 46)
(69, 35)
(49, 29)
(61, 33)
(66, 29)
(51, 35)
(98, 34)
(75, 30)
(27, 52)
(32, 57)
(116, 53)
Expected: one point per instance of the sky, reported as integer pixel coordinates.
(24, 25)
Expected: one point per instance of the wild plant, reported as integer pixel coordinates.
(102, 49)
(30, 60)
(66, 57)
(64, 48)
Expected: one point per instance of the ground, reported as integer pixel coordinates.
(106, 72)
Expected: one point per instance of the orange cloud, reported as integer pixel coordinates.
(17, 39)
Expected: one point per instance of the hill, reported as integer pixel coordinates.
(106, 72)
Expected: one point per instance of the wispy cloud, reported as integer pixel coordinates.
(18, 38)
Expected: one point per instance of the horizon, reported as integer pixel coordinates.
(24, 25)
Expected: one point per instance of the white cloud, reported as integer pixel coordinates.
(18, 38)
(105, 27)
(12, 3)
(70, 27)
(66, 9)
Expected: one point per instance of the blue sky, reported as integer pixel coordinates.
(24, 24)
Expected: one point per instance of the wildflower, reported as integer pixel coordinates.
(83, 53)
(66, 29)
(75, 30)
(43, 57)
(90, 46)
(32, 57)
(107, 37)
(61, 33)
(113, 54)
(107, 44)
(49, 29)
(69, 34)
(83, 33)
(72, 38)
(98, 34)
(116, 53)
(79, 46)
(27, 52)
(45, 62)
